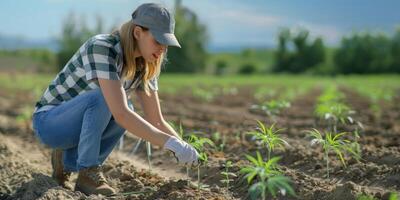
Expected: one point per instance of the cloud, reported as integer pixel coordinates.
(252, 19)
(239, 25)
(330, 34)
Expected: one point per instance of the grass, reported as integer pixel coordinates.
(30, 81)
(169, 83)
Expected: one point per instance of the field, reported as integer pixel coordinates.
(361, 162)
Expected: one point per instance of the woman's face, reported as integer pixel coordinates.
(149, 48)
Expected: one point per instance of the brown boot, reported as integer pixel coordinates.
(59, 174)
(91, 181)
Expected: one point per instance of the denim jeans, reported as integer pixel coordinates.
(82, 127)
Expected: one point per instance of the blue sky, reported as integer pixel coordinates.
(235, 22)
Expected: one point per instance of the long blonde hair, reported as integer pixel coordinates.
(129, 45)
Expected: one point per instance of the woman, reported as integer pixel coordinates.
(84, 111)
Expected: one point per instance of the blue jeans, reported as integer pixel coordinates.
(82, 127)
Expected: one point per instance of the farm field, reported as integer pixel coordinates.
(324, 138)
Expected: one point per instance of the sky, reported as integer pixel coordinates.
(234, 22)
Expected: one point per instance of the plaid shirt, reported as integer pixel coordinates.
(98, 57)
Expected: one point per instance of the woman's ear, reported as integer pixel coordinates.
(137, 31)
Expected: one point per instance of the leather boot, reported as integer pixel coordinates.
(92, 181)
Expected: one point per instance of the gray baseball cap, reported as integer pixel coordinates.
(158, 20)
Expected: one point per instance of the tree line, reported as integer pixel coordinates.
(296, 51)
(359, 53)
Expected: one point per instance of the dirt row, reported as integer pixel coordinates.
(27, 167)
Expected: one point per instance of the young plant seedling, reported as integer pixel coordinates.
(219, 139)
(365, 197)
(205, 95)
(333, 143)
(230, 90)
(331, 108)
(355, 145)
(270, 178)
(228, 174)
(268, 137)
(199, 144)
(334, 112)
(24, 118)
(273, 107)
(393, 196)
(182, 135)
(263, 93)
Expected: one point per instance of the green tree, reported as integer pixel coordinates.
(220, 67)
(192, 35)
(395, 52)
(247, 69)
(303, 54)
(283, 56)
(364, 53)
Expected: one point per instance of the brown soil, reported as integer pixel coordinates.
(25, 165)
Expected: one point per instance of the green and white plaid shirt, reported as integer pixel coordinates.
(99, 57)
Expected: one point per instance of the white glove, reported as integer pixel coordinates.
(183, 152)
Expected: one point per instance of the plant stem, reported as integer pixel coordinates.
(263, 196)
(187, 175)
(327, 163)
(148, 148)
(334, 127)
(198, 178)
(227, 176)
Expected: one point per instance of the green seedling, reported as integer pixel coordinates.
(270, 178)
(182, 135)
(264, 93)
(333, 143)
(268, 137)
(273, 107)
(393, 196)
(227, 174)
(355, 145)
(148, 150)
(331, 94)
(203, 94)
(199, 144)
(334, 112)
(365, 197)
(24, 118)
(330, 107)
(230, 91)
(239, 136)
(219, 139)
(377, 95)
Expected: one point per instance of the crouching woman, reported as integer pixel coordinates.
(84, 111)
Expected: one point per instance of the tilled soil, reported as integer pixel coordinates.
(25, 164)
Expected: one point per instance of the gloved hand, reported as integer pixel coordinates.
(183, 152)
